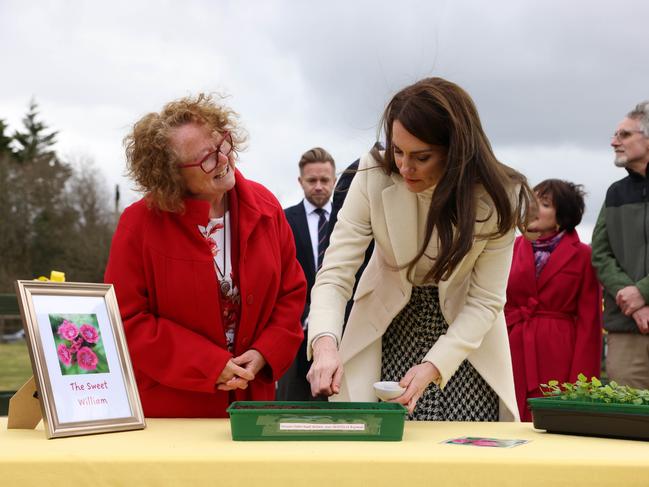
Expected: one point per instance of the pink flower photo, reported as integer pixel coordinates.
(79, 347)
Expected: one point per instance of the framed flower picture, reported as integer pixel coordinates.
(79, 356)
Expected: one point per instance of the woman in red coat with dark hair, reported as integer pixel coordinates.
(554, 302)
(204, 268)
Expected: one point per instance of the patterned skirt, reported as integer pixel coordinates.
(412, 333)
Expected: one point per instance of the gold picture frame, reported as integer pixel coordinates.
(82, 370)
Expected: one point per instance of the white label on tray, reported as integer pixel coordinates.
(321, 427)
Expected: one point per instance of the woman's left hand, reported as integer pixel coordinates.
(415, 381)
(252, 361)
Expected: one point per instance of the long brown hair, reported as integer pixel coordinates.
(439, 112)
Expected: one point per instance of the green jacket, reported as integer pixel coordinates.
(621, 246)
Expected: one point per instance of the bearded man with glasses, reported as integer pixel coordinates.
(204, 267)
(621, 254)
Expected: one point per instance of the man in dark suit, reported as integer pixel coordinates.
(309, 220)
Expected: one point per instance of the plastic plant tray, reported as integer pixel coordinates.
(556, 415)
(316, 421)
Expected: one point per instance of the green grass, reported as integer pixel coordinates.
(15, 367)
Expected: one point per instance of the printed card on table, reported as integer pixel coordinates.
(485, 442)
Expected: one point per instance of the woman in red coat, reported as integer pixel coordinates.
(204, 268)
(554, 302)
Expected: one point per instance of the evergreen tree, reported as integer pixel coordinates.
(34, 142)
(35, 212)
(51, 216)
(5, 140)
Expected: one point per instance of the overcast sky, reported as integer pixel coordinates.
(551, 79)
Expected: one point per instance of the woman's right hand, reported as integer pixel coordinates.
(326, 371)
(233, 377)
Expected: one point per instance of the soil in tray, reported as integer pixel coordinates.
(313, 407)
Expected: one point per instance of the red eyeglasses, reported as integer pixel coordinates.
(209, 162)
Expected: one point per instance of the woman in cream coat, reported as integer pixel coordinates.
(440, 208)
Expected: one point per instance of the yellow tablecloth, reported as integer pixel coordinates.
(201, 452)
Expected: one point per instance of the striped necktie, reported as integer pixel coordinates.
(322, 235)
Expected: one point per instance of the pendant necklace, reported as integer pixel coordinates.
(224, 284)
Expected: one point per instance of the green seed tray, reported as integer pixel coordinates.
(556, 415)
(316, 421)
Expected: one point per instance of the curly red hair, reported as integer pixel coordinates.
(150, 160)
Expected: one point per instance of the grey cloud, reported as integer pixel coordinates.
(551, 79)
